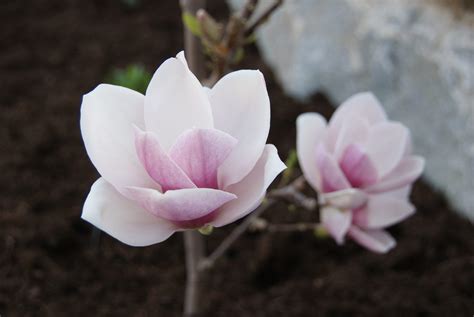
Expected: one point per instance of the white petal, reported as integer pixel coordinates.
(310, 130)
(386, 146)
(354, 130)
(252, 188)
(350, 198)
(108, 114)
(336, 222)
(241, 108)
(379, 241)
(382, 211)
(409, 169)
(175, 102)
(182, 58)
(124, 220)
(363, 104)
(400, 193)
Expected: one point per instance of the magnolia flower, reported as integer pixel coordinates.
(181, 157)
(362, 168)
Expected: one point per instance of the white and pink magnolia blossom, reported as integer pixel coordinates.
(362, 168)
(180, 157)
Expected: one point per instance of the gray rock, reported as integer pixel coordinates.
(416, 56)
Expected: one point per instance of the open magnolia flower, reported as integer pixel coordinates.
(362, 168)
(181, 157)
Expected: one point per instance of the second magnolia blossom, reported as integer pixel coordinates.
(362, 168)
(181, 157)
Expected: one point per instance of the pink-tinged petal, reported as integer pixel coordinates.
(158, 164)
(241, 108)
(364, 105)
(382, 211)
(354, 130)
(252, 188)
(175, 102)
(400, 193)
(184, 207)
(333, 178)
(357, 166)
(123, 219)
(310, 130)
(409, 169)
(350, 198)
(386, 146)
(336, 222)
(200, 152)
(379, 241)
(108, 114)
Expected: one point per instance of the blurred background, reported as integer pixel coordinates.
(417, 56)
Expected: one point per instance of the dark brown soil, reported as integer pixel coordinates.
(53, 52)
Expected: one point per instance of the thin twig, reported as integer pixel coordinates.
(263, 225)
(234, 235)
(289, 192)
(261, 19)
(293, 194)
(248, 9)
(192, 44)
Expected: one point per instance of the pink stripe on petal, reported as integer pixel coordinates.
(379, 241)
(192, 207)
(333, 178)
(158, 164)
(200, 152)
(358, 167)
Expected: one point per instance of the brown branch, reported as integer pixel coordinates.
(262, 18)
(234, 235)
(194, 250)
(193, 240)
(260, 224)
(192, 44)
(248, 9)
(290, 193)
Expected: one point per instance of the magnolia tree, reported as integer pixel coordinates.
(190, 155)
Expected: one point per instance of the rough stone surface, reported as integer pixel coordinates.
(416, 56)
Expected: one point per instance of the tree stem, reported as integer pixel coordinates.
(192, 44)
(194, 250)
(193, 240)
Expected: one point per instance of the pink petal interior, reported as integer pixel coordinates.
(187, 208)
(200, 152)
(358, 167)
(333, 178)
(158, 164)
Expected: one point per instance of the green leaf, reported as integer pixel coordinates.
(238, 56)
(191, 23)
(290, 163)
(211, 30)
(320, 232)
(250, 39)
(134, 76)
